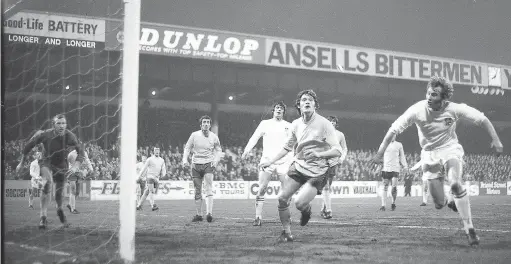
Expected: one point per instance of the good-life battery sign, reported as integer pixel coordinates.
(52, 29)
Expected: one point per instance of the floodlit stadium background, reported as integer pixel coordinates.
(264, 52)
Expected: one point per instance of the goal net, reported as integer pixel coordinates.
(56, 62)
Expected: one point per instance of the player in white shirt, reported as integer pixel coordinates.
(154, 168)
(393, 159)
(141, 181)
(73, 179)
(326, 211)
(206, 150)
(36, 181)
(274, 132)
(436, 119)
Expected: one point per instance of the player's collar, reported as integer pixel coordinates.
(54, 131)
(312, 118)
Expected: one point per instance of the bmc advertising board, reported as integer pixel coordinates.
(173, 190)
(171, 40)
(54, 30)
(184, 190)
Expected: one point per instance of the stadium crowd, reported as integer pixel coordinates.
(169, 129)
(479, 167)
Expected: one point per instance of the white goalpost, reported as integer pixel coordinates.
(129, 124)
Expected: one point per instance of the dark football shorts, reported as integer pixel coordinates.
(389, 175)
(199, 170)
(319, 182)
(59, 172)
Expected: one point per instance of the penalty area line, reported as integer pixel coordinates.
(448, 228)
(53, 252)
(354, 223)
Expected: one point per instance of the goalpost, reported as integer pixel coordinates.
(129, 124)
(92, 86)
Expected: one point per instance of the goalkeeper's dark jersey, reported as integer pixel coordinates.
(56, 146)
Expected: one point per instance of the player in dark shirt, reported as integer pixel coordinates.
(54, 166)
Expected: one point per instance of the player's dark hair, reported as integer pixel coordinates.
(281, 104)
(59, 116)
(446, 86)
(309, 92)
(204, 117)
(333, 119)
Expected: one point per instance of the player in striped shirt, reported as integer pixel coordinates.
(206, 150)
(141, 181)
(36, 180)
(74, 179)
(314, 140)
(154, 168)
(326, 208)
(274, 132)
(436, 119)
(393, 159)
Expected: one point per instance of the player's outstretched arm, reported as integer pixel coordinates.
(384, 144)
(279, 156)
(495, 140)
(477, 117)
(416, 166)
(400, 125)
(290, 143)
(258, 133)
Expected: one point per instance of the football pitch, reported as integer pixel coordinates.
(358, 233)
